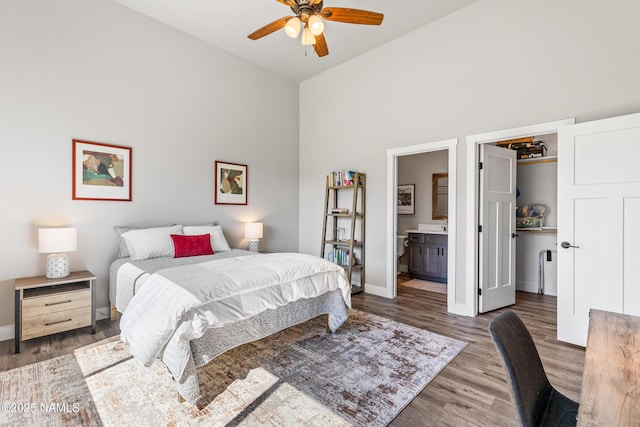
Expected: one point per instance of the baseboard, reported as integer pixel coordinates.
(7, 332)
(527, 287)
(103, 313)
(377, 290)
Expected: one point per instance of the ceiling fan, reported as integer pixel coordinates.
(309, 15)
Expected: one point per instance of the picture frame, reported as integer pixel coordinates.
(231, 183)
(100, 171)
(407, 199)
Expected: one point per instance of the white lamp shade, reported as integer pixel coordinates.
(307, 37)
(53, 240)
(253, 230)
(292, 27)
(316, 26)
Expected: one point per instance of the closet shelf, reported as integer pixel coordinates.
(537, 160)
(551, 230)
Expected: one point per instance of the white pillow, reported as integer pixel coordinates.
(151, 242)
(218, 241)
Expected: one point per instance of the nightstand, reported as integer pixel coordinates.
(48, 306)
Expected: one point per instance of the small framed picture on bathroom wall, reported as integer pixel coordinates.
(407, 199)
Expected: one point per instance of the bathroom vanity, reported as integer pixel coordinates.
(428, 255)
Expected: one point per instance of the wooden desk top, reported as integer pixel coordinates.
(610, 393)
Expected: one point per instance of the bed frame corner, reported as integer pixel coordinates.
(114, 315)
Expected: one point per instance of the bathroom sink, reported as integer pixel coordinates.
(430, 229)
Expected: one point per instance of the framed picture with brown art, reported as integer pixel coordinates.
(231, 183)
(100, 171)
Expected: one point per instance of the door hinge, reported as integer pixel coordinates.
(479, 229)
(480, 291)
(480, 165)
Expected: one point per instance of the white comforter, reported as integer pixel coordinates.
(177, 304)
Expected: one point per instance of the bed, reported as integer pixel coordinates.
(188, 310)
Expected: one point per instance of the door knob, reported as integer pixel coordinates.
(514, 235)
(567, 245)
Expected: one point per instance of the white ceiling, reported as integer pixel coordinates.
(226, 24)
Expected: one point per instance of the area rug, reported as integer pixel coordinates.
(363, 375)
(424, 285)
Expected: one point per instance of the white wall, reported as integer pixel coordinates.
(494, 65)
(99, 71)
(528, 250)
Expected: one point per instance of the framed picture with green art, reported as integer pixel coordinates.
(100, 171)
(231, 183)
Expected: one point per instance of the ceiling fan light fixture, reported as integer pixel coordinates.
(292, 27)
(316, 25)
(307, 37)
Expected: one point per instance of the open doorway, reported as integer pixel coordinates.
(422, 219)
(473, 237)
(394, 229)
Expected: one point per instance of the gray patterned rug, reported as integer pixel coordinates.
(364, 374)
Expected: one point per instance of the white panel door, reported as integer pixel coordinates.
(598, 216)
(631, 260)
(497, 254)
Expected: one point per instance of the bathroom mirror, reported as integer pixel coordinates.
(440, 195)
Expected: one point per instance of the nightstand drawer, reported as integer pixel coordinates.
(52, 303)
(51, 323)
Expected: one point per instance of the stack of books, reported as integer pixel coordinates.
(339, 210)
(527, 148)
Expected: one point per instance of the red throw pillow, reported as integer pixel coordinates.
(191, 245)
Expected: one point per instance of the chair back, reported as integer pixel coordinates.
(529, 386)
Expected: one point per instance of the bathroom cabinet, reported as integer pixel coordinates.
(428, 256)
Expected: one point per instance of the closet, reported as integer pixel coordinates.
(536, 251)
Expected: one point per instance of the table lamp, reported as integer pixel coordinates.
(56, 242)
(253, 232)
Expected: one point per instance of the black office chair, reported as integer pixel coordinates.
(537, 402)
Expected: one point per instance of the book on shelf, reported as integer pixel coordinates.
(339, 210)
(342, 178)
(527, 148)
(532, 152)
(522, 145)
(341, 257)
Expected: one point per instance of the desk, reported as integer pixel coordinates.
(610, 393)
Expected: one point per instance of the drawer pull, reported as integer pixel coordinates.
(55, 323)
(56, 303)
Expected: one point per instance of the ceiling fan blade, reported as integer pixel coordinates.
(321, 46)
(269, 28)
(352, 16)
(290, 3)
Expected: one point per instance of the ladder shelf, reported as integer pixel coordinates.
(348, 249)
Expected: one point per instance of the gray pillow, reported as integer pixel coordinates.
(123, 249)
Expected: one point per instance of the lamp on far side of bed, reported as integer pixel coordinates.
(253, 232)
(56, 242)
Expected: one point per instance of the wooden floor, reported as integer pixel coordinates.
(471, 390)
